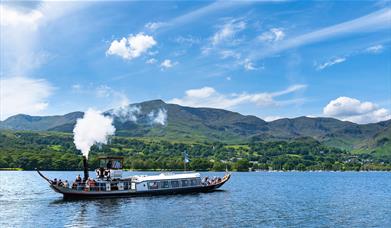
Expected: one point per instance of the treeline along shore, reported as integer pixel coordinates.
(28, 150)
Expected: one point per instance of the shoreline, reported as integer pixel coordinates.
(257, 171)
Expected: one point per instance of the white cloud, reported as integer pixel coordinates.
(187, 40)
(103, 91)
(228, 78)
(23, 95)
(229, 54)
(375, 21)
(273, 35)
(131, 47)
(159, 117)
(114, 97)
(248, 65)
(330, 63)
(354, 110)
(20, 36)
(126, 112)
(375, 49)
(152, 26)
(209, 97)
(151, 61)
(13, 17)
(76, 87)
(216, 6)
(167, 63)
(228, 31)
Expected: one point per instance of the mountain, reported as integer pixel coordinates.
(209, 124)
(39, 123)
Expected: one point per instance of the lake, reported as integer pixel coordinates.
(257, 199)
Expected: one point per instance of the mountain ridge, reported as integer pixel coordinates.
(210, 124)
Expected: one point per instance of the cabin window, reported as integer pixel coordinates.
(126, 185)
(175, 184)
(164, 184)
(153, 185)
(185, 183)
(193, 182)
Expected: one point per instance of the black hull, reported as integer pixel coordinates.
(139, 194)
(75, 194)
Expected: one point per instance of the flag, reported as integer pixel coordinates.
(186, 157)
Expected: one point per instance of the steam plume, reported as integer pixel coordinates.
(126, 113)
(159, 117)
(93, 128)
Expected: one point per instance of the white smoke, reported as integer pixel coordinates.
(93, 128)
(126, 113)
(159, 117)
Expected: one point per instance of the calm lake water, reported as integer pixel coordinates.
(292, 199)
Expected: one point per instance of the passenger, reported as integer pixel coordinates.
(109, 164)
(66, 184)
(54, 182)
(60, 183)
(78, 179)
(205, 181)
(74, 185)
(92, 185)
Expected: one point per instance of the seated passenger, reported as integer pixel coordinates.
(78, 179)
(54, 182)
(66, 184)
(60, 183)
(74, 185)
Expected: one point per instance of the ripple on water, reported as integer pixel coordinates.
(297, 199)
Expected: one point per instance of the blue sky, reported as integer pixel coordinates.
(271, 59)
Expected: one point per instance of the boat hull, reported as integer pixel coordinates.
(73, 194)
(69, 193)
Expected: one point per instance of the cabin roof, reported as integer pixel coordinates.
(167, 176)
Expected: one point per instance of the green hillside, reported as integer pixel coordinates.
(187, 124)
(56, 151)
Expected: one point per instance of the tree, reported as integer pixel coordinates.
(242, 165)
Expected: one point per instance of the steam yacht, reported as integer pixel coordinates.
(109, 182)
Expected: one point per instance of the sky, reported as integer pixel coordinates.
(271, 59)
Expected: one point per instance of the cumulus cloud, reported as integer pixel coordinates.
(131, 47)
(228, 31)
(330, 63)
(23, 95)
(167, 63)
(273, 35)
(354, 110)
(375, 49)
(209, 97)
